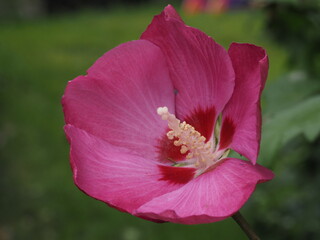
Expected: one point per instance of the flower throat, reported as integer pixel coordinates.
(201, 153)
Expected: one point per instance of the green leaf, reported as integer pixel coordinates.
(302, 118)
(288, 91)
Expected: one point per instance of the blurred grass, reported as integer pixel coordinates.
(38, 198)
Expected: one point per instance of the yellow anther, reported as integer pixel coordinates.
(202, 139)
(184, 149)
(170, 135)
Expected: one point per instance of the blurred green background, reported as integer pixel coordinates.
(42, 48)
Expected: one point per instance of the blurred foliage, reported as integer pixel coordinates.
(295, 24)
(38, 198)
(290, 146)
(25, 9)
(291, 139)
(31, 9)
(292, 108)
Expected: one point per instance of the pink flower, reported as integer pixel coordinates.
(156, 167)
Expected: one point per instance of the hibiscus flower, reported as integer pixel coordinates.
(151, 124)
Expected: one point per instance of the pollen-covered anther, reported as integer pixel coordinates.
(170, 135)
(177, 143)
(184, 149)
(188, 138)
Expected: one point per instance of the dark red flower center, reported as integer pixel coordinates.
(227, 132)
(176, 175)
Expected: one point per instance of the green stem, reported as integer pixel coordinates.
(245, 226)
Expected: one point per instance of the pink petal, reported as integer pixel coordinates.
(241, 123)
(112, 174)
(201, 69)
(211, 197)
(118, 99)
(171, 13)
